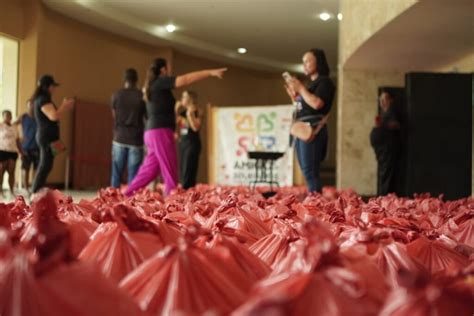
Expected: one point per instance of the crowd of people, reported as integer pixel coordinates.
(149, 121)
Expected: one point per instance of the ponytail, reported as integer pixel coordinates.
(152, 74)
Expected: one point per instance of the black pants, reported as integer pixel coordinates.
(45, 165)
(387, 159)
(189, 150)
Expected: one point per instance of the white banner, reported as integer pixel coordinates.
(255, 128)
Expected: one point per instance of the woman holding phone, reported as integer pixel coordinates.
(313, 103)
(47, 116)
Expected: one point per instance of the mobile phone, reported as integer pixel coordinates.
(286, 75)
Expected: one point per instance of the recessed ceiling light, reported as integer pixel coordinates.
(339, 16)
(324, 16)
(170, 28)
(242, 50)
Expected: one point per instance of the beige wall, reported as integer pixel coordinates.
(464, 64)
(362, 19)
(9, 61)
(11, 18)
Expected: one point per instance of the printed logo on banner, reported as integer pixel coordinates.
(263, 128)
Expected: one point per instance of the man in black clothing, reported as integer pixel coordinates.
(129, 112)
(385, 139)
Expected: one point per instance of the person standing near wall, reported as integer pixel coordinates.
(30, 156)
(47, 118)
(189, 123)
(129, 113)
(9, 148)
(385, 140)
(161, 124)
(313, 103)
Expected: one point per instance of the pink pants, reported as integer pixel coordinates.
(160, 160)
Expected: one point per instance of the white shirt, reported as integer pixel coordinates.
(8, 137)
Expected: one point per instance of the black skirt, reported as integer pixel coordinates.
(8, 155)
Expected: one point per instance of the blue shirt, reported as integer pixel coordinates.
(28, 125)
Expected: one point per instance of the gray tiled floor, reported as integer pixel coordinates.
(76, 195)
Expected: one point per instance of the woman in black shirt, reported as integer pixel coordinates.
(386, 142)
(159, 129)
(47, 116)
(189, 123)
(313, 103)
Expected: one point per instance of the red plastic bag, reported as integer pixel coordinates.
(332, 292)
(81, 229)
(392, 258)
(117, 251)
(273, 247)
(235, 254)
(19, 292)
(44, 232)
(463, 233)
(435, 255)
(80, 289)
(183, 279)
(421, 296)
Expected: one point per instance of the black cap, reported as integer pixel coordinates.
(47, 81)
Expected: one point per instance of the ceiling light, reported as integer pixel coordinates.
(170, 28)
(339, 16)
(242, 50)
(325, 16)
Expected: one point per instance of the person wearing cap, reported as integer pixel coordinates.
(129, 113)
(9, 148)
(47, 115)
(161, 123)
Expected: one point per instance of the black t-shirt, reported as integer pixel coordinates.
(160, 105)
(47, 130)
(322, 87)
(130, 112)
(383, 136)
(185, 131)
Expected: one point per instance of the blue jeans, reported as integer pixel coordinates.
(310, 156)
(121, 154)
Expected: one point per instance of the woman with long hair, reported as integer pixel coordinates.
(47, 116)
(189, 124)
(161, 123)
(313, 103)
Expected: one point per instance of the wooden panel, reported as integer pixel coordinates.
(91, 150)
(211, 129)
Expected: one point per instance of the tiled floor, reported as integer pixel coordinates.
(76, 195)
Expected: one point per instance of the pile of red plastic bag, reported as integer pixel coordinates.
(229, 251)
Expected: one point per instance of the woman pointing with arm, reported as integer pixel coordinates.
(159, 130)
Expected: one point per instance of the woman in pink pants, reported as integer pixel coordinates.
(159, 129)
